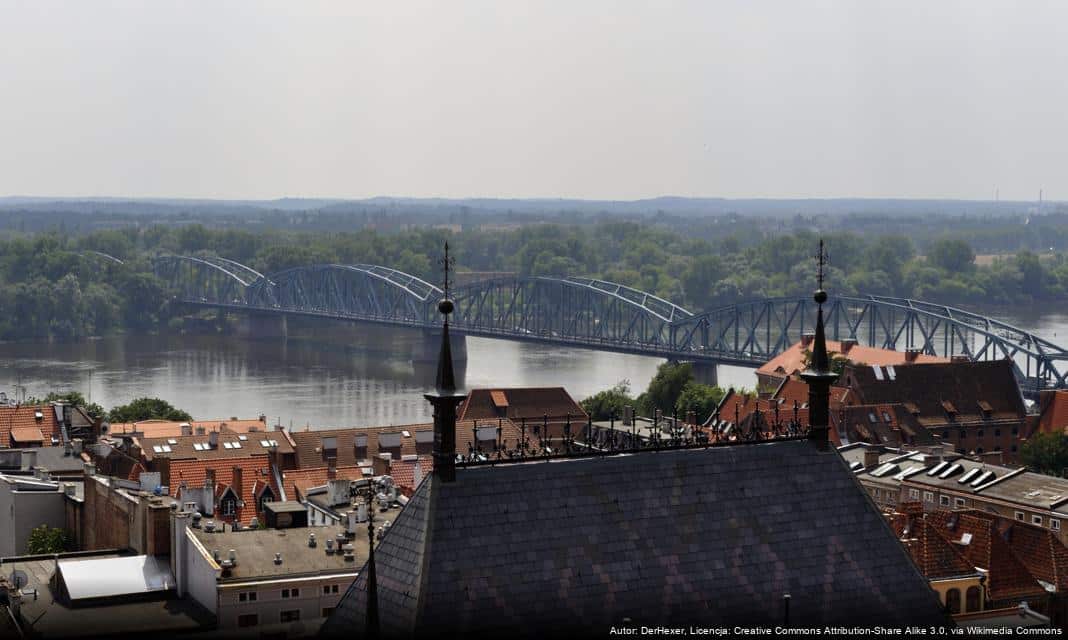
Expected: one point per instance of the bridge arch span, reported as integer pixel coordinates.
(579, 310)
(348, 290)
(200, 280)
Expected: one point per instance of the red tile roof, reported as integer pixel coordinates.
(311, 451)
(934, 555)
(228, 445)
(23, 417)
(403, 472)
(298, 481)
(253, 469)
(991, 547)
(532, 403)
(792, 359)
(21, 436)
(173, 428)
(1053, 412)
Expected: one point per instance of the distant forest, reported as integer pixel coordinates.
(50, 288)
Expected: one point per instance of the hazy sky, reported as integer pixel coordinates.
(578, 98)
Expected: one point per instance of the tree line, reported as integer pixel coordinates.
(51, 286)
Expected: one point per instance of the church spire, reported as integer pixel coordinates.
(819, 374)
(445, 399)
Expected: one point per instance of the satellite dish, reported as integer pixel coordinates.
(19, 579)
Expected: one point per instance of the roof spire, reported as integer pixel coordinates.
(819, 374)
(445, 399)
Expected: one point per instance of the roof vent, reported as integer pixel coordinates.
(350, 555)
(215, 555)
(278, 558)
(196, 519)
(311, 540)
(232, 556)
(209, 526)
(329, 546)
(254, 523)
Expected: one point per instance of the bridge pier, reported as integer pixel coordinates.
(426, 350)
(705, 373)
(255, 325)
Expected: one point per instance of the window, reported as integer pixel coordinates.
(959, 502)
(914, 494)
(248, 620)
(330, 444)
(943, 500)
(997, 433)
(1036, 520)
(971, 602)
(329, 588)
(228, 507)
(953, 600)
(290, 593)
(886, 418)
(1020, 516)
(1054, 524)
(246, 596)
(945, 434)
(327, 611)
(963, 436)
(928, 496)
(1013, 448)
(980, 434)
(290, 616)
(1015, 431)
(978, 449)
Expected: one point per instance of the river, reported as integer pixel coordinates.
(332, 375)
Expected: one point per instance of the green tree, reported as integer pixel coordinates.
(147, 409)
(954, 256)
(701, 398)
(1046, 453)
(666, 387)
(603, 405)
(45, 539)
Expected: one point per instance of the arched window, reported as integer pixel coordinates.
(971, 602)
(953, 600)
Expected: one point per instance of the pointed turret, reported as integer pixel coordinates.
(819, 374)
(445, 398)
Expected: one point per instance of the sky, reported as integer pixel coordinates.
(572, 99)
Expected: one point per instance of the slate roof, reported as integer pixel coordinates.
(935, 388)
(24, 417)
(707, 536)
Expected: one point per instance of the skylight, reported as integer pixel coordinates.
(938, 468)
(987, 475)
(968, 476)
(172, 441)
(885, 469)
(242, 438)
(952, 470)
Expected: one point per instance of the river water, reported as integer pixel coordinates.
(327, 375)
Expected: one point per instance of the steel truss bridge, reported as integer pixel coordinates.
(601, 315)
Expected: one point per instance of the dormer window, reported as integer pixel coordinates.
(986, 409)
(951, 411)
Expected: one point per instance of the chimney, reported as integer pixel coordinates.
(847, 344)
(806, 339)
(28, 459)
(78, 444)
(187, 429)
(331, 468)
(263, 419)
(912, 354)
(445, 399)
(237, 484)
(213, 439)
(871, 457)
(209, 478)
(382, 463)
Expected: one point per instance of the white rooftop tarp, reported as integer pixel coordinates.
(106, 577)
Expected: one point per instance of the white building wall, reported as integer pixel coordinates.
(22, 511)
(202, 573)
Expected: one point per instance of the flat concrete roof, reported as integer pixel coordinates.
(53, 617)
(255, 550)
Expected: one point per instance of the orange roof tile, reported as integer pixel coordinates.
(298, 481)
(792, 359)
(25, 416)
(194, 472)
(173, 428)
(1053, 412)
(532, 403)
(26, 435)
(403, 472)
